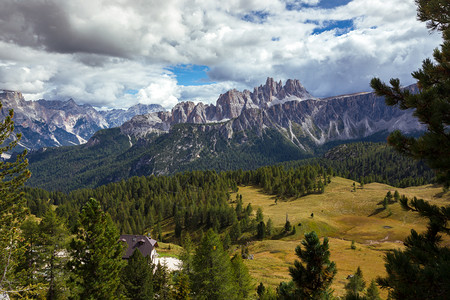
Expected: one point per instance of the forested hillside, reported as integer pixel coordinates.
(374, 162)
(198, 199)
(111, 156)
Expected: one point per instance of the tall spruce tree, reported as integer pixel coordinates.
(314, 274)
(242, 280)
(181, 288)
(212, 276)
(422, 270)
(372, 292)
(161, 281)
(187, 254)
(29, 265)
(53, 240)
(355, 285)
(96, 254)
(432, 104)
(12, 206)
(137, 277)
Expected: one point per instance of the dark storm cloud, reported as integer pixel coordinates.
(46, 24)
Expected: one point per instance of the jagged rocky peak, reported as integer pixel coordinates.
(13, 97)
(230, 104)
(182, 111)
(273, 92)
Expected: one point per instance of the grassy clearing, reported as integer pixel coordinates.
(343, 215)
(169, 249)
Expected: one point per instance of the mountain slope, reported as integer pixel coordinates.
(55, 123)
(306, 121)
(243, 130)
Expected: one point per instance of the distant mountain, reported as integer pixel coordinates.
(307, 122)
(117, 117)
(274, 123)
(55, 123)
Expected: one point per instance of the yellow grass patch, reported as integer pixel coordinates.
(343, 215)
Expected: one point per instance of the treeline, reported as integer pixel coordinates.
(198, 199)
(366, 162)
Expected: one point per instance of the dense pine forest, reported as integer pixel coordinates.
(195, 199)
(202, 198)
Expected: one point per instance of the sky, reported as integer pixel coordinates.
(117, 53)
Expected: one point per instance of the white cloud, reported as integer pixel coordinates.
(95, 51)
(163, 91)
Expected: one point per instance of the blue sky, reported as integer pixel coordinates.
(188, 75)
(115, 55)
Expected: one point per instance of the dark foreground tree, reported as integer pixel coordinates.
(314, 274)
(137, 277)
(161, 281)
(355, 285)
(372, 292)
(212, 276)
(12, 207)
(96, 254)
(422, 270)
(53, 239)
(242, 280)
(432, 104)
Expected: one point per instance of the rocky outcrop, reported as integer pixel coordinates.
(45, 123)
(306, 121)
(117, 117)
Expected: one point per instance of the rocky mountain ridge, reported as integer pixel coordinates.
(243, 130)
(306, 121)
(53, 123)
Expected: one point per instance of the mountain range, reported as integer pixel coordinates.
(45, 123)
(307, 122)
(248, 129)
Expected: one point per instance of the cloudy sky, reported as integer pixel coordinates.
(116, 53)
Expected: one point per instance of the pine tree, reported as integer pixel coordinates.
(422, 270)
(30, 261)
(396, 196)
(53, 238)
(261, 290)
(286, 291)
(12, 206)
(161, 281)
(355, 284)
(372, 292)
(212, 274)
(287, 226)
(96, 254)
(187, 255)
(261, 231)
(226, 241)
(137, 277)
(269, 228)
(313, 276)
(241, 278)
(432, 103)
(259, 215)
(181, 288)
(235, 231)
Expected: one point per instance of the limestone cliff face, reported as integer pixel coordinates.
(51, 123)
(56, 123)
(306, 121)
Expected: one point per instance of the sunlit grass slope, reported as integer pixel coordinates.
(342, 215)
